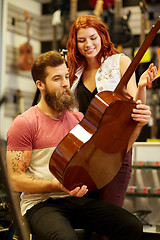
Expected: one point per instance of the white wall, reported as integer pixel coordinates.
(12, 39)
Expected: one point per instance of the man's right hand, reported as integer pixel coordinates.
(77, 192)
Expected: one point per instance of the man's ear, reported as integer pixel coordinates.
(40, 85)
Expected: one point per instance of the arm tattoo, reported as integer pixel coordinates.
(21, 160)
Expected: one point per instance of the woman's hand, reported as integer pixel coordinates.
(77, 192)
(141, 114)
(148, 76)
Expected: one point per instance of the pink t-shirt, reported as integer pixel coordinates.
(37, 132)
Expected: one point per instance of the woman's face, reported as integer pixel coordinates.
(88, 42)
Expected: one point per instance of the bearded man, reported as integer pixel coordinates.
(52, 211)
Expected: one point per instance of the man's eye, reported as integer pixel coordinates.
(56, 79)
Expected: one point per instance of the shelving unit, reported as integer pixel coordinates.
(143, 193)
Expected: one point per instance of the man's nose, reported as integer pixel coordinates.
(65, 83)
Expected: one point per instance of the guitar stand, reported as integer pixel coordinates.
(142, 214)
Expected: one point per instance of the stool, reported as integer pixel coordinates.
(81, 233)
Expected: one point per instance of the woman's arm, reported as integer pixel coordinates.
(146, 78)
(141, 114)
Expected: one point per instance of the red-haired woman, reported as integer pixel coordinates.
(95, 65)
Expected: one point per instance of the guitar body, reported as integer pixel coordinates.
(93, 151)
(25, 57)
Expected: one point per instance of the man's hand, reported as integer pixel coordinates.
(77, 192)
(141, 114)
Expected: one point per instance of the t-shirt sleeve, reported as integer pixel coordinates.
(78, 115)
(19, 135)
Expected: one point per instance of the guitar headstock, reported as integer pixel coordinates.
(27, 17)
(143, 6)
(28, 20)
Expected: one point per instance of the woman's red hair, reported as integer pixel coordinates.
(74, 57)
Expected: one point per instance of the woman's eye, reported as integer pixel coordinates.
(80, 41)
(93, 38)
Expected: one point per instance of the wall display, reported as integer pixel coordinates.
(17, 101)
(40, 27)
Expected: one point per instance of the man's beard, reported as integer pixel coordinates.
(59, 101)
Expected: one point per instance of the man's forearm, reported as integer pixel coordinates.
(22, 182)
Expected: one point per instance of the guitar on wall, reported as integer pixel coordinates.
(93, 151)
(144, 9)
(117, 24)
(25, 50)
(119, 30)
(68, 21)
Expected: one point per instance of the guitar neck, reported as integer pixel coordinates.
(117, 9)
(143, 24)
(134, 64)
(73, 10)
(144, 8)
(28, 36)
(27, 18)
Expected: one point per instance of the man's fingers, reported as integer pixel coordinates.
(79, 192)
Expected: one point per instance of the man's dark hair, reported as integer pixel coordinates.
(50, 58)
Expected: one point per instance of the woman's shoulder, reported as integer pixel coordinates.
(114, 56)
(113, 60)
(124, 58)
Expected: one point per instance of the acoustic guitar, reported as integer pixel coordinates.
(93, 151)
(25, 50)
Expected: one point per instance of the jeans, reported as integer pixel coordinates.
(56, 219)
